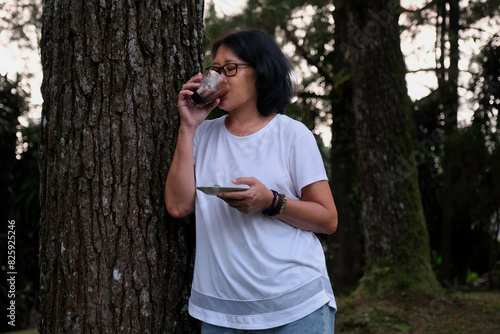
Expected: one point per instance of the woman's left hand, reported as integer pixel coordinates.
(257, 198)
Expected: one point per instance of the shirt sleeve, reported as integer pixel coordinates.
(306, 163)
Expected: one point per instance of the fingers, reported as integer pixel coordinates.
(240, 204)
(254, 199)
(213, 104)
(196, 78)
(250, 181)
(194, 82)
(240, 195)
(188, 90)
(189, 87)
(234, 195)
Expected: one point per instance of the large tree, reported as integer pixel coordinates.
(111, 259)
(396, 239)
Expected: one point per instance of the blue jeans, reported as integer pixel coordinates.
(321, 321)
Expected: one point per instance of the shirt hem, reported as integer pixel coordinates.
(261, 321)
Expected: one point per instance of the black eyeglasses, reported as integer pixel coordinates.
(229, 69)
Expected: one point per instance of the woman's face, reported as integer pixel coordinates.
(241, 92)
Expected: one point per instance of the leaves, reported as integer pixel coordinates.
(22, 22)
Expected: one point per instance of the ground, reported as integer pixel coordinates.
(453, 312)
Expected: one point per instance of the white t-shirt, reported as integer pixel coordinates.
(253, 271)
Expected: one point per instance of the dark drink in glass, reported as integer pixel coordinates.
(210, 88)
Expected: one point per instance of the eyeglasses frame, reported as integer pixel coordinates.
(221, 69)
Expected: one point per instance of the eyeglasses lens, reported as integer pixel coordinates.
(230, 70)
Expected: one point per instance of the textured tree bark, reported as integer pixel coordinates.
(396, 239)
(112, 260)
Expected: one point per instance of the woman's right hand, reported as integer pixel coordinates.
(191, 114)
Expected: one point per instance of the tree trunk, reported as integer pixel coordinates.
(448, 30)
(396, 239)
(448, 89)
(345, 246)
(111, 259)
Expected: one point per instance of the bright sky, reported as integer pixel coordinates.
(13, 60)
(228, 7)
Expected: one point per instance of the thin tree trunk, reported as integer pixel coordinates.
(448, 90)
(345, 247)
(396, 238)
(451, 119)
(111, 259)
(493, 279)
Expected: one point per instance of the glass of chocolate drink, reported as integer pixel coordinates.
(209, 90)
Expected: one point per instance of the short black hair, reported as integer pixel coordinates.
(274, 84)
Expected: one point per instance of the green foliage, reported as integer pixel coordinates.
(468, 186)
(19, 196)
(486, 88)
(22, 20)
(13, 104)
(478, 10)
(455, 165)
(467, 200)
(471, 276)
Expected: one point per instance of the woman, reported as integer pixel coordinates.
(258, 266)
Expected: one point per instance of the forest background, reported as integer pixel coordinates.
(455, 143)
